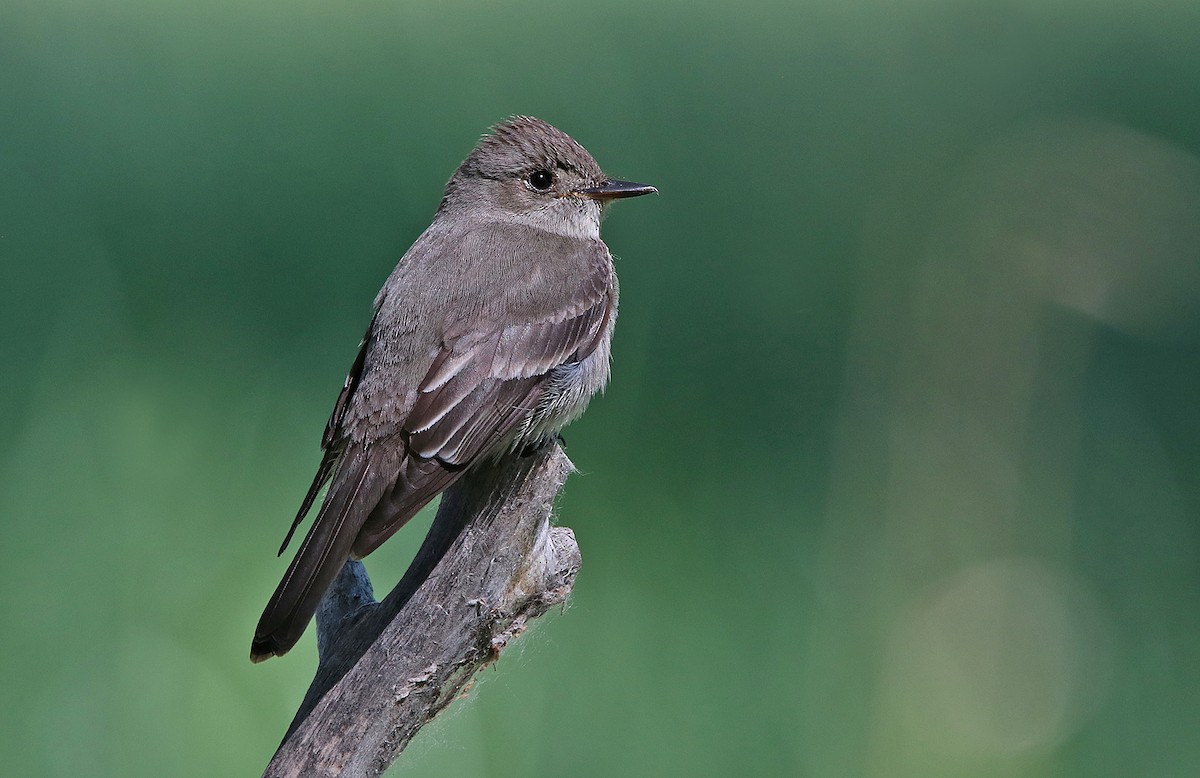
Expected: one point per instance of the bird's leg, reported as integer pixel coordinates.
(530, 449)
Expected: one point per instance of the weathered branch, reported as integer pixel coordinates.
(386, 669)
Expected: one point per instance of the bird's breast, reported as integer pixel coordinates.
(568, 390)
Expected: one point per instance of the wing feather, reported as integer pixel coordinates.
(479, 393)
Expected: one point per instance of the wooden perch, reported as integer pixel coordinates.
(386, 669)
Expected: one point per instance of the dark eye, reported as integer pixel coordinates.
(541, 180)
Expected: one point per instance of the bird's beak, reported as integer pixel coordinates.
(614, 190)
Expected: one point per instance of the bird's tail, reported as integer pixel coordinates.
(372, 496)
(356, 487)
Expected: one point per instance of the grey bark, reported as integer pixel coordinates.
(387, 668)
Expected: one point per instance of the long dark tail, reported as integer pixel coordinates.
(357, 487)
(371, 497)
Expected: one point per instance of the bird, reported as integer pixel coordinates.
(491, 334)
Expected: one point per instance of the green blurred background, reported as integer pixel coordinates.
(898, 472)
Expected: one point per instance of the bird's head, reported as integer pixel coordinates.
(529, 172)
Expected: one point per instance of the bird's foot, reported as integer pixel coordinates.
(536, 447)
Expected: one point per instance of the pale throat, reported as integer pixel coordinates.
(564, 218)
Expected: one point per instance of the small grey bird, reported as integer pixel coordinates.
(491, 335)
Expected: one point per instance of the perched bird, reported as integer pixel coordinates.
(491, 334)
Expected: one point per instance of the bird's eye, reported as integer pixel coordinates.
(541, 180)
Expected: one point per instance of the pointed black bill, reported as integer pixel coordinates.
(614, 190)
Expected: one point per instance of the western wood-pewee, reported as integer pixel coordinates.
(491, 334)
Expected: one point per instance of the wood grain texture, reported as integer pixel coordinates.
(387, 668)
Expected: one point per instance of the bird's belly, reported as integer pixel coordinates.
(569, 389)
